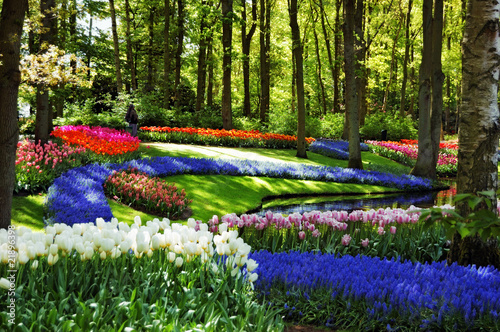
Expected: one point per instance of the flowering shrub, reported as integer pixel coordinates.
(133, 276)
(407, 154)
(333, 149)
(252, 138)
(139, 191)
(377, 294)
(78, 196)
(101, 140)
(383, 233)
(38, 165)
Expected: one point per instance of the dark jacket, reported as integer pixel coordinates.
(131, 116)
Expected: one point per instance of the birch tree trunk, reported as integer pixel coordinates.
(479, 125)
(11, 27)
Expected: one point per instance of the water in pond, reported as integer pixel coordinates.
(359, 202)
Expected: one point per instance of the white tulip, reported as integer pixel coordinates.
(235, 271)
(115, 253)
(190, 248)
(171, 256)
(53, 249)
(156, 241)
(123, 227)
(204, 227)
(34, 265)
(222, 227)
(107, 244)
(49, 239)
(77, 229)
(251, 265)
(191, 223)
(103, 255)
(99, 222)
(252, 277)
(178, 261)
(4, 283)
(50, 230)
(178, 249)
(23, 257)
(137, 220)
(53, 259)
(80, 248)
(89, 252)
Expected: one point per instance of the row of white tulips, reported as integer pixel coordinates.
(182, 243)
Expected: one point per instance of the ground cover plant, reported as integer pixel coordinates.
(206, 136)
(333, 148)
(406, 152)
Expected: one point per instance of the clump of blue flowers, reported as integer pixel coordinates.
(78, 196)
(382, 292)
(333, 148)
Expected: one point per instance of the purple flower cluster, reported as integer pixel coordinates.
(78, 196)
(419, 294)
(334, 149)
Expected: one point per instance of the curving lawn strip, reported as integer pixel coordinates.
(78, 197)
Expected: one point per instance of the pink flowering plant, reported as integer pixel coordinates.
(407, 153)
(151, 194)
(38, 165)
(386, 232)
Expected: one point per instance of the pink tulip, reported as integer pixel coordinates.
(346, 239)
(393, 230)
(302, 235)
(381, 231)
(365, 242)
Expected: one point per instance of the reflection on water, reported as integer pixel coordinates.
(362, 202)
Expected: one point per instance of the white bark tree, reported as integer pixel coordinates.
(479, 125)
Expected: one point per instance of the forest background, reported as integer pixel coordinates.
(170, 59)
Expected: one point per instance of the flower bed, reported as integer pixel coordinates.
(334, 149)
(407, 154)
(383, 233)
(38, 165)
(78, 196)
(154, 195)
(141, 276)
(101, 140)
(371, 293)
(233, 138)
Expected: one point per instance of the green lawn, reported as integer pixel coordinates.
(224, 194)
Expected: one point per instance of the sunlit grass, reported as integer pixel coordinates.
(224, 194)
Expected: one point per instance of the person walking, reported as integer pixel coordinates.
(132, 119)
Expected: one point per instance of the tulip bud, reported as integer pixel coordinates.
(4, 283)
(53, 249)
(178, 261)
(34, 265)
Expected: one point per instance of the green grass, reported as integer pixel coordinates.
(225, 194)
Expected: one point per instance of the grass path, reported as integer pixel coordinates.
(224, 194)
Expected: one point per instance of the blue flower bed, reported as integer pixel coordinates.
(78, 197)
(334, 149)
(383, 293)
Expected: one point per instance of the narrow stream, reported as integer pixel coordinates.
(358, 202)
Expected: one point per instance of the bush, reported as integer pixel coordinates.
(332, 125)
(397, 128)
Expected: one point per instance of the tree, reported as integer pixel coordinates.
(351, 98)
(178, 53)
(297, 51)
(246, 39)
(115, 46)
(130, 58)
(166, 56)
(11, 28)
(202, 56)
(430, 99)
(43, 109)
(479, 126)
(227, 40)
(265, 45)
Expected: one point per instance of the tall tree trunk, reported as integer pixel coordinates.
(149, 82)
(89, 53)
(202, 58)
(437, 81)
(423, 166)
(448, 95)
(406, 60)
(210, 79)
(479, 126)
(326, 36)
(351, 99)
(320, 79)
(265, 33)
(178, 54)
(246, 40)
(72, 31)
(130, 58)
(43, 116)
(393, 60)
(336, 76)
(359, 65)
(116, 47)
(301, 108)
(227, 40)
(166, 56)
(11, 28)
